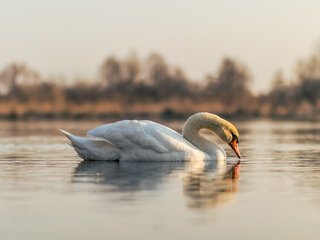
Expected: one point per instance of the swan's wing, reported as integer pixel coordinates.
(92, 148)
(133, 134)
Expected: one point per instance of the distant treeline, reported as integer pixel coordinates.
(131, 87)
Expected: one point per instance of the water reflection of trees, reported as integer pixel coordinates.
(205, 184)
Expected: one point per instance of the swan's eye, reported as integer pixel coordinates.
(234, 137)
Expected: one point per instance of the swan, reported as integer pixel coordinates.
(144, 140)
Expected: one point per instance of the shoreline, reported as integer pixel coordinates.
(162, 116)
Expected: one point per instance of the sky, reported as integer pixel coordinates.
(72, 37)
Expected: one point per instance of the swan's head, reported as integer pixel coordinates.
(224, 129)
(229, 134)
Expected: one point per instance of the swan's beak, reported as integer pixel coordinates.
(234, 145)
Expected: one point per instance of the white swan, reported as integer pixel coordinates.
(132, 140)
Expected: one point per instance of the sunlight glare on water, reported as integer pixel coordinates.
(49, 193)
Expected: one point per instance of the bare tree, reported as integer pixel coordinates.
(308, 74)
(157, 69)
(16, 74)
(309, 69)
(231, 82)
(131, 69)
(110, 71)
(280, 96)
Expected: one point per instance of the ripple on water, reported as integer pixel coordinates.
(276, 184)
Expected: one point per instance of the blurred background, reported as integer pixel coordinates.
(159, 59)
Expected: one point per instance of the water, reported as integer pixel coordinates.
(46, 192)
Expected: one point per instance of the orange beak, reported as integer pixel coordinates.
(234, 145)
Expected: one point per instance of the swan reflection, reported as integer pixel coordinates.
(205, 184)
(126, 176)
(208, 185)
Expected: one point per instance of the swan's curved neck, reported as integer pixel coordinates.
(200, 121)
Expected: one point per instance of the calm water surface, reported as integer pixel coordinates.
(46, 192)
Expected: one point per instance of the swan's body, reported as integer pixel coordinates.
(132, 140)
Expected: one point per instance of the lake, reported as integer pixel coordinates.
(47, 192)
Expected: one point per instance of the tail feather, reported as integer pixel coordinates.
(68, 135)
(91, 148)
(75, 141)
